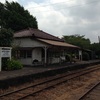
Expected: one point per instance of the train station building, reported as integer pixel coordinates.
(36, 47)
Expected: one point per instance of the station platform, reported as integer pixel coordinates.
(28, 74)
(26, 71)
(29, 70)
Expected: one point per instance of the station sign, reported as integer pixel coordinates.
(5, 52)
(80, 52)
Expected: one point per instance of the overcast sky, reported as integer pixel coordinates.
(66, 17)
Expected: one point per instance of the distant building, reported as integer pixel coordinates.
(38, 47)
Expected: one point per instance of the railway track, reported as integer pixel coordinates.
(93, 93)
(25, 92)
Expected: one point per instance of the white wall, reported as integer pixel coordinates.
(53, 60)
(37, 54)
(27, 42)
(26, 61)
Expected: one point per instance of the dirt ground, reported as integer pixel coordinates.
(70, 90)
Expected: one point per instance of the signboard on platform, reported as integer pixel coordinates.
(80, 52)
(5, 53)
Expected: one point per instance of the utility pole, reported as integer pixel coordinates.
(99, 38)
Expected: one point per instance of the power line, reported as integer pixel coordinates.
(69, 6)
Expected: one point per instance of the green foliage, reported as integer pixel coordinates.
(6, 37)
(77, 40)
(13, 65)
(4, 63)
(68, 57)
(96, 48)
(85, 56)
(14, 16)
(2, 11)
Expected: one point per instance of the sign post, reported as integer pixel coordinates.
(80, 55)
(0, 59)
(5, 52)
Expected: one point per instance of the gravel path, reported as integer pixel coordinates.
(70, 90)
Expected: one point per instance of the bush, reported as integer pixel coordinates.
(68, 57)
(4, 63)
(13, 65)
(86, 56)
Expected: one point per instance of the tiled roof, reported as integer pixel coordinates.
(36, 33)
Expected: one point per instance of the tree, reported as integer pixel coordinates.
(77, 40)
(96, 48)
(6, 37)
(2, 11)
(14, 16)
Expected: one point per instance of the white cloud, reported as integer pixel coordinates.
(3, 1)
(66, 17)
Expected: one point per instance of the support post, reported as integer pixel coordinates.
(0, 60)
(80, 55)
(10, 54)
(4, 52)
(45, 59)
(0, 63)
(45, 55)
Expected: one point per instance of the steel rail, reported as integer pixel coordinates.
(90, 90)
(38, 91)
(90, 69)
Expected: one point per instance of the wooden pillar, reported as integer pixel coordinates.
(10, 53)
(5, 52)
(80, 55)
(45, 59)
(0, 63)
(0, 60)
(45, 54)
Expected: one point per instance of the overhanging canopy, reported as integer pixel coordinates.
(58, 43)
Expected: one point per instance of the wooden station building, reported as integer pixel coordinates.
(35, 46)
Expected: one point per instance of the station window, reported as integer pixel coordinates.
(25, 54)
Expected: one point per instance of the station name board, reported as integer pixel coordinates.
(6, 53)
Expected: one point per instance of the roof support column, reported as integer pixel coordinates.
(80, 55)
(45, 59)
(0, 63)
(0, 60)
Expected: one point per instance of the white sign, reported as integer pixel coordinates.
(5, 53)
(80, 52)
